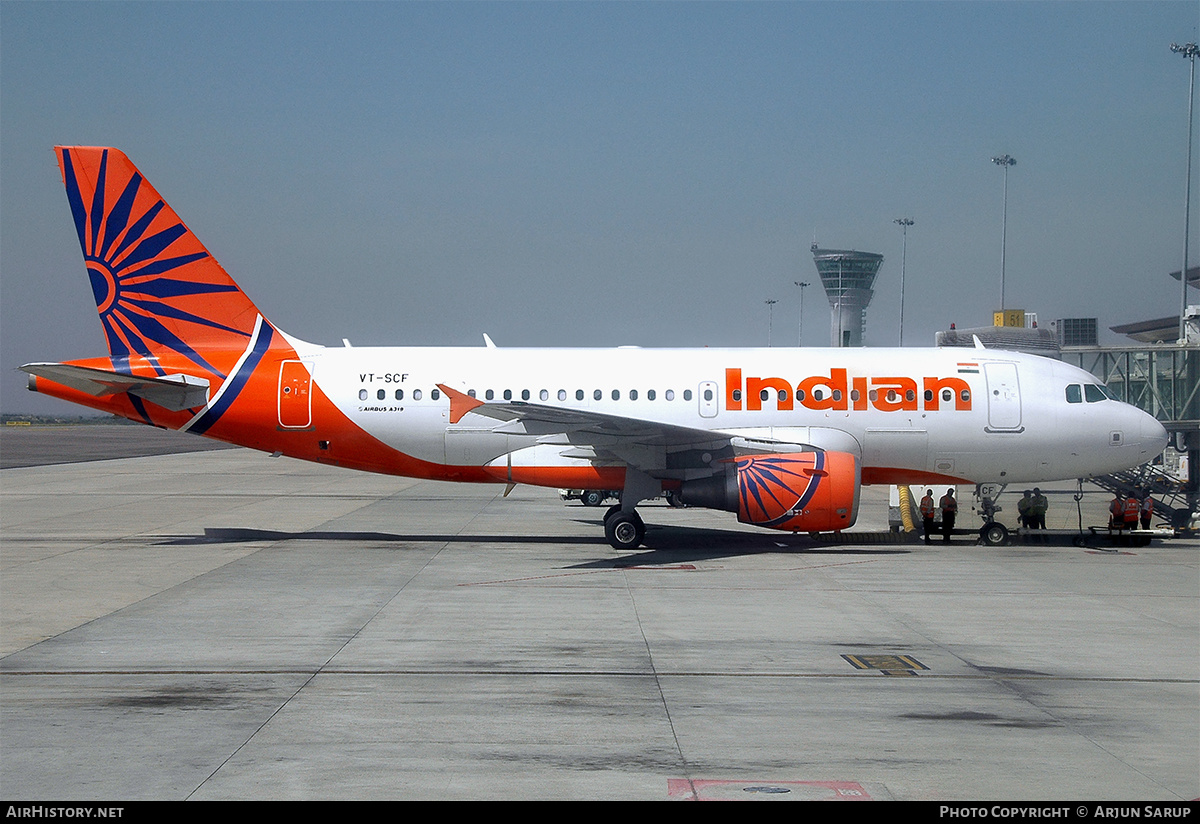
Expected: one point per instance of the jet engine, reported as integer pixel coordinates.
(797, 492)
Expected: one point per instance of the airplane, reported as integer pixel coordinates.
(784, 438)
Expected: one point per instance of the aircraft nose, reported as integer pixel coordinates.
(1154, 434)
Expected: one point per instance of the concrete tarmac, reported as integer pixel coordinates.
(224, 625)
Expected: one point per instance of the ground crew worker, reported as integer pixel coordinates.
(1147, 509)
(927, 511)
(1116, 513)
(1132, 509)
(1037, 510)
(949, 510)
(1023, 509)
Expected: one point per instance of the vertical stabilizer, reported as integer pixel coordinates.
(160, 294)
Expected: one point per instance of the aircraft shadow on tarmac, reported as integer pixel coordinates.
(663, 544)
(666, 545)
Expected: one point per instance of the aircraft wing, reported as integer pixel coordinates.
(525, 418)
(174, 392)
(659, 448)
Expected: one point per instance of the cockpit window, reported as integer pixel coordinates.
(1090, 392)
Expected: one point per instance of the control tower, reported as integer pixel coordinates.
(848, 277)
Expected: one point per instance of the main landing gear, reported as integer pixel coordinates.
(623, 527)
(624, 530)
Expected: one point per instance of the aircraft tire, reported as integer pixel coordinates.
(624, 530)
(994, 534)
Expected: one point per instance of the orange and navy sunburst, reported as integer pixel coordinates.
(153, 281)
(773, 488)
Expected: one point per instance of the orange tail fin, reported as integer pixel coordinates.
(160, 294)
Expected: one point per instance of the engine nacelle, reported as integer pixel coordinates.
(797, 492)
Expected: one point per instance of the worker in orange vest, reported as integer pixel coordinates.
(949, 510)
(1132, 509)
(928, 508)
(1147, 509)
(1116, 513)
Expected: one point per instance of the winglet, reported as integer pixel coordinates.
(460, 403)
(978, 342)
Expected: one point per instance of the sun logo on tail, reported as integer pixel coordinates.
(141, 260)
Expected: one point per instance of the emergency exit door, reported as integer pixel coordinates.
(707, 398)
(295, 395)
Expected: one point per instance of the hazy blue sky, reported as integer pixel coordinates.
(595, 174)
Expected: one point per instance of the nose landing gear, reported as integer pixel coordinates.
(994, 534)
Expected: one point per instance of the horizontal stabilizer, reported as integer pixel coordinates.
(173, 392)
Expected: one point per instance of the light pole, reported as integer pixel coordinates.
(904, 223)
(1188, 51)
(841, 294)
(770, 317)
(1005, 161)
(800, 332)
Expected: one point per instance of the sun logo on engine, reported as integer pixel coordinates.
(138, 254)
(776, 488)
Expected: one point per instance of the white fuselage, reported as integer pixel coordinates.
(1014, 424)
